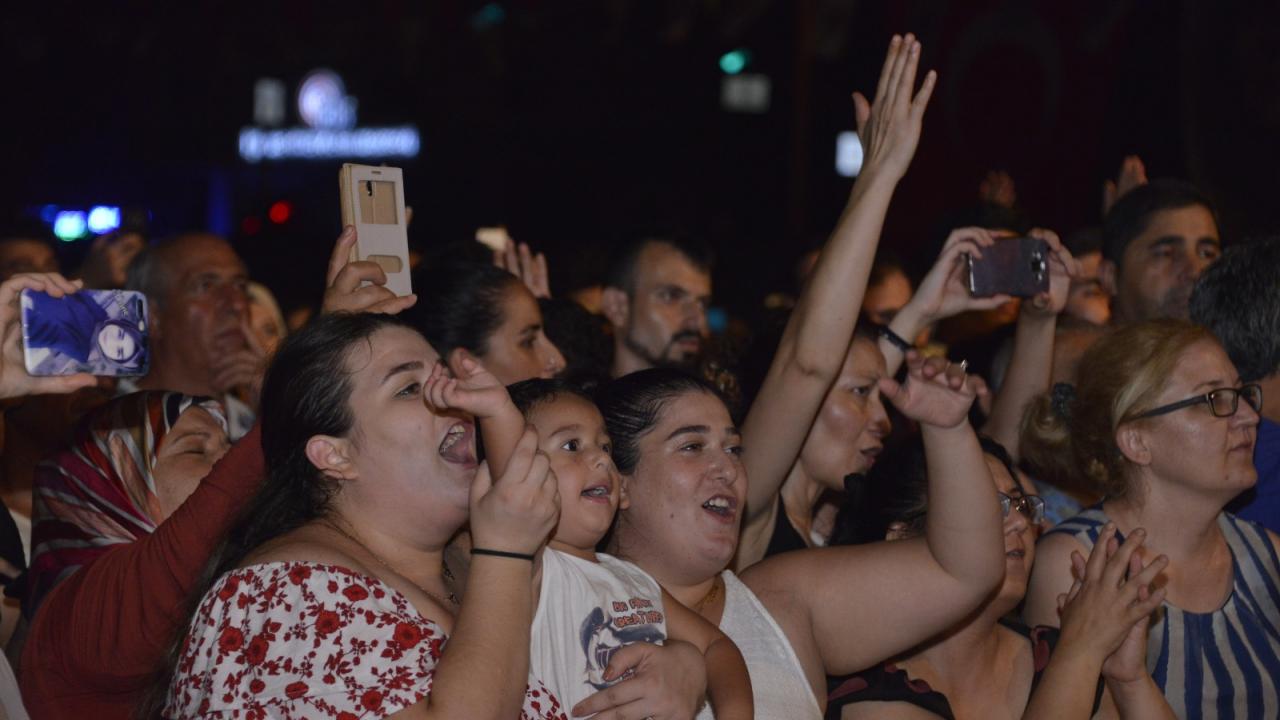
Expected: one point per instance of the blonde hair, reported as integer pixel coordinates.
(1068, 439)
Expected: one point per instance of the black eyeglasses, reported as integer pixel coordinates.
(1032, 506)
(1222, 402)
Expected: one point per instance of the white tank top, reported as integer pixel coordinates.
(586, 611)
(778, 683)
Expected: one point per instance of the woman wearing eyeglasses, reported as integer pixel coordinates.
(1161, 425)
(988, 664)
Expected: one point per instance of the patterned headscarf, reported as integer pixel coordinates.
(101, 491)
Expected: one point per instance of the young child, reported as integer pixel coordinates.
(588, 604)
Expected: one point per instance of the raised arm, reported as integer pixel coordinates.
(855, 606)
(818, 333)
(1031, 366)
(944, 292)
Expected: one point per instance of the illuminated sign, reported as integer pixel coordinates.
(330, 131)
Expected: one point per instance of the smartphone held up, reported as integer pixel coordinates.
(100, 332)
(373, 202)
(1017, 266)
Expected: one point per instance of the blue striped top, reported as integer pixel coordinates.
(1223, 664)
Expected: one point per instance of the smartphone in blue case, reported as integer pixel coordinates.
(101, 332)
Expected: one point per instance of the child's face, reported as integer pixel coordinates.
(571, 432)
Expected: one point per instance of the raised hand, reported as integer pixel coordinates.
(1062, 267)
(889, 127)
(471, 389)
(1107, 613)
(1132, 174)
(343, 290)
(944, 292)
(662, 681)
(936, 392)
(518, 510)
(241, 371)
(14, 380)
(524, 264)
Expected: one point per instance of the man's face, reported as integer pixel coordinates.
(22, 255)
(667, 323)
(1160, 266)
(202, 314)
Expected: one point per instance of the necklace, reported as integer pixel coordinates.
(450, 599)
(711, 595)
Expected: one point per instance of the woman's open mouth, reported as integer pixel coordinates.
(459, 444)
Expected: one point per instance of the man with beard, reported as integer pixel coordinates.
(656, 298)
(1157, 239)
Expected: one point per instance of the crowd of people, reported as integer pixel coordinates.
(894, 499)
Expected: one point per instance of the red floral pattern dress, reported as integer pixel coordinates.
(304, 640)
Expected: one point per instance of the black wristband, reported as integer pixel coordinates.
(895, 339)
(501, 554)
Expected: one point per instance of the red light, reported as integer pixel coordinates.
(251, 225)
(280, 212)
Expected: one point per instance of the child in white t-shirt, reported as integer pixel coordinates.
(591, 604)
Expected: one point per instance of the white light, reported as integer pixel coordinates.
(745, 93)
(323, 102)
(268, 102)
(309, 144)
(103, 219)
(848, 154)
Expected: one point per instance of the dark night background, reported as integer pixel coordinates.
(577, 123)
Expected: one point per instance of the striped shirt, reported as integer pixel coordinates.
(1223, 664)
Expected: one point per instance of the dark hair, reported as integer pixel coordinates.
(459, 304)
(632, 403)
(529, 394)
(896, 491)
(306, 392)
(1132, 213)
(581, 337)
(1238, 299)
(1084, 241)
(622, 271)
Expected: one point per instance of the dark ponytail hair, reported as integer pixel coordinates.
(632, 403)
(459, 304)
(306, 392)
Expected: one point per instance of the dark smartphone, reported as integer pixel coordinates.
(1012, 266)
(101, 332)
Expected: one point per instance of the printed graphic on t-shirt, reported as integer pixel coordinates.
(606, 630)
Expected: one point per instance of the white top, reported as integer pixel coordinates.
(778, 683)
(586, 611)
